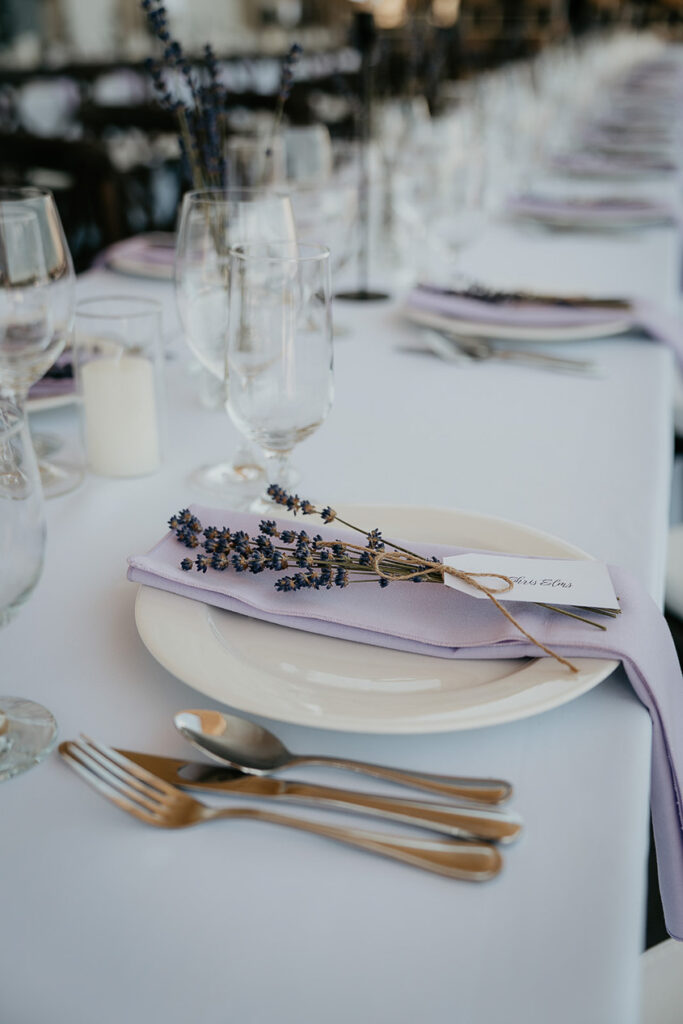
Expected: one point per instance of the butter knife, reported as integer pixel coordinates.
(470, 822)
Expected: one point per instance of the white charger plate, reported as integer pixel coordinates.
(131, 267)
(508, 332)
(299, 677)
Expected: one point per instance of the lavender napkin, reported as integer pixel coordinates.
(638, 315)
(599, 212)
(597, 165)
(151, 255)
(436, 620)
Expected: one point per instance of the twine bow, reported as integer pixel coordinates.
(471, 578)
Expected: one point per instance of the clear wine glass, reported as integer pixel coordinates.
(280, 367)
(256, 161)
(210, 222)
(308, 150)
(37, 262)
(27, 730)
(327, 213)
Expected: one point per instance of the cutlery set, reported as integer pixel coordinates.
(152, 789)
(456, 348)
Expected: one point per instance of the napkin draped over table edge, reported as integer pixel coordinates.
(438, 620)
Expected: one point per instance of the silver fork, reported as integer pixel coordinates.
(156, 802)
(456, 347)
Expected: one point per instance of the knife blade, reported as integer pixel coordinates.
(470, 822)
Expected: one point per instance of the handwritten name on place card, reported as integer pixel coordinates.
(582, 583)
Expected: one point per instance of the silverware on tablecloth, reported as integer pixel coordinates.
(482, 349)
(240, 743)
(150, 799)
(465, 822)
(455, 348)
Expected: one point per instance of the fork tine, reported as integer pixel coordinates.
(102, 786)
(115, 777)
(130, 768)
(155, 790)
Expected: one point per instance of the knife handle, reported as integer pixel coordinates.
(464, 822)
(488, 791)
(474, 862)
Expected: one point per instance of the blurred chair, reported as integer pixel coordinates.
(674, 567)
(87, 187)
(662, 983)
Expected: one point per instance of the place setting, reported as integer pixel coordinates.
(302, 577)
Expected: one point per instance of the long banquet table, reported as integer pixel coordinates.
(107, 920)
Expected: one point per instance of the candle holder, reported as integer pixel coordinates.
(119, 375)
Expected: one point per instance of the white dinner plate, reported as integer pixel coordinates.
(132, 267)
(508, 332)
(294, 676)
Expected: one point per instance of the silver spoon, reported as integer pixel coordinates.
(236, 741)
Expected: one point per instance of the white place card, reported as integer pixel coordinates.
(579, 582)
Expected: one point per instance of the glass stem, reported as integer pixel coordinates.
(246, 461)
(19, 396)
(278, 470)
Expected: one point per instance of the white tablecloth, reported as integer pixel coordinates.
(107, 920)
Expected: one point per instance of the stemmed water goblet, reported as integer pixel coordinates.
(280, 366)
(327, 213)
(36, 306)
(27, 730)
(210, 222)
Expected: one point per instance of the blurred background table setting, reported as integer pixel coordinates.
(324, 328)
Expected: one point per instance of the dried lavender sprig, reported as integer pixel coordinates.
(335, 561)
(286, 79)
(294, 504)
(200, 137)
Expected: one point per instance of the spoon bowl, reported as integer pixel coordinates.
(233, 740)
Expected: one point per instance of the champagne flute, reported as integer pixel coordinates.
(35, 269)
(280, 367)
(27, 730)
(211, 221)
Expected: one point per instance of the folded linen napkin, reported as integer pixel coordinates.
(597, 165)
(602, 212)
(425, 301)
(437, 620)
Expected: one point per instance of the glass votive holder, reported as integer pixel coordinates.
(119, 372)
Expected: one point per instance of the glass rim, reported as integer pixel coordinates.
(230, 193)
(306, 252)
(151, 306)
(17, 193)
(8, 430)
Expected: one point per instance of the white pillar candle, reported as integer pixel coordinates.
(120, 411)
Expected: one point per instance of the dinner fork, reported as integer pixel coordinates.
(156, 802)
(481, 349)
